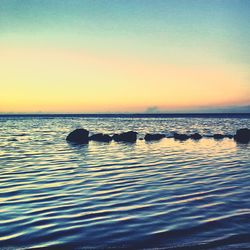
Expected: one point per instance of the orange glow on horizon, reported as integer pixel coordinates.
(50, 80)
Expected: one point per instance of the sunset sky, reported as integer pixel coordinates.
(79, 56)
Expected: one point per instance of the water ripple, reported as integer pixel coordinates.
(166, 194)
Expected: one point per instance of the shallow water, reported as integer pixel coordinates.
(166, 194)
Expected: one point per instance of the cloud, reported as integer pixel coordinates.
(224, 109)
(152, 109)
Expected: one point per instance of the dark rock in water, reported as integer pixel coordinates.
(218, 136)
(153, 137)
(181, 137)
(115, 137)
(196, 136)
(242, 135)
(79, 136)
(100, 137)
(229, 136)
(129, 136)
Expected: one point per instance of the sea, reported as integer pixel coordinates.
(165, 194)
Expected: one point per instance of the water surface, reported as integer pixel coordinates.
(166, 194)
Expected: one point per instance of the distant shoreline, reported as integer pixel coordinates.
(131, 115)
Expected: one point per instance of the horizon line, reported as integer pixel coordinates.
(119, 113)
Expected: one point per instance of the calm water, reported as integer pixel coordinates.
(165, 194)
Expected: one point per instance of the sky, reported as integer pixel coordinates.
(89, 56)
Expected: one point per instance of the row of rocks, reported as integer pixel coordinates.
(197, 136)
(81, 136)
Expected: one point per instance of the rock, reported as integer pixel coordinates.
(229, 136)
(218, 136)
(242, 135)
(100, 137)
(79, 136)
(181, 137)
(129, 136)
(153, 137)
(196, 136)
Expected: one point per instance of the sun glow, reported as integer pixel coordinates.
(80, 81)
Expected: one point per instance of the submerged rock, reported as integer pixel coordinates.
(218, 136)
(242, 135)
(196, 136)
(154, 137)
(209, 136)
(229, 136)
(129, 136)
(181, 137)
(79, 136)
(169, 136)
(100, 137)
